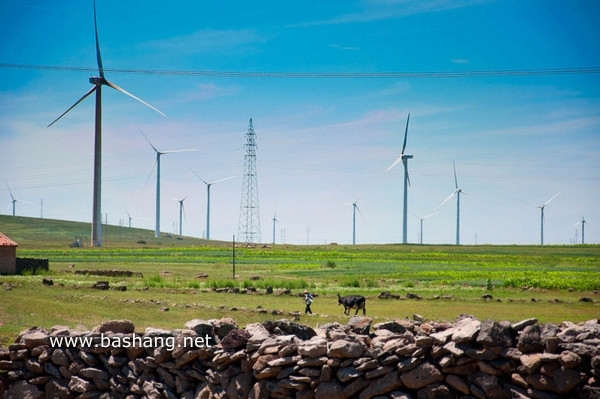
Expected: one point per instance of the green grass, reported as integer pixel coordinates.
(184, 276)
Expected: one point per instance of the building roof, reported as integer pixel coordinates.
(6, 242)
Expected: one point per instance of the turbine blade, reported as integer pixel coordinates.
(446, 200)
(395, 163)
(150, 174)
(405, 134)
(555, 195)
(114, 86)
(455, 179)
(405, 162)
(198, 176)
(151, 145)
(98, 57)
(360, 213)
(10, 192)
(220, 180)
(531, 203)
(74, 105)
(428, 216)
(171, 151)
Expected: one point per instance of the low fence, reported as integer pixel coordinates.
(283, 359)
(31, 265)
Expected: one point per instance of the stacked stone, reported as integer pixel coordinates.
(282, 359)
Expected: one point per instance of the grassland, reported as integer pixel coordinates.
(182, 276)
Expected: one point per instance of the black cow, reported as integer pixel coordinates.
(352, 302)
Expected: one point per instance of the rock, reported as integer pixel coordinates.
(495, 334)
(345, 349)
(201, 327)
(101, 285)
(530, 339)
(240, 386)
(47, 281)
(224, 326)
(434, 391)
(566, 379)
(301, 331)
(37, 338)
(518, 326)
(466, 330)
(23, 390)
(314, 347)
(569, 360)
(392, 326)
(381, 386)
(330, 390)
(360, 324)
(235, 339)
(421, 376)
(115, 326)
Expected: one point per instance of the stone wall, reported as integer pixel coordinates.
(31, 265)
(283, 359)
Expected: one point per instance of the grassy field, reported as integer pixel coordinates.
(181, 279)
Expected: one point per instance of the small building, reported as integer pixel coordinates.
(8, 255)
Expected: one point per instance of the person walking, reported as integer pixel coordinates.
(308, 299)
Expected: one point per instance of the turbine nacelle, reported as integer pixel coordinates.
(97, 80)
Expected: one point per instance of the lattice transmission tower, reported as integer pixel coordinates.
(249, 223)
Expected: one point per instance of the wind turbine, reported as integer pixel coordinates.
(208, 185)
(457, 191)
(13, 199)
(354, 209)
(274, 221)
(582, 222)
(157, 163)
(181, 213)
(131, 218)
(404, 158)
(98, 82)
(421, 222)
(542, 215)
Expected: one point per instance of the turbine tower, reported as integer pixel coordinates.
(354, 209)
(457, 191)
(542, 215)
(274, 221)
(157, 163)
(181, 213)
(98, 82)
(582, 222)
(208, 185)
(404, 158)
(249, 222)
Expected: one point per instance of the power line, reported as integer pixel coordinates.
(325, 75)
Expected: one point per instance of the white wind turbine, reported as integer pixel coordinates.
(130, 218)
(181, 213)
(582, 222)
(98, 82)
(421, 223)
(157, 163)
(208, 185)
(274, 221)
(404, 158)
(354, 209)
(542, 215)
(13, 199)
(457, 191)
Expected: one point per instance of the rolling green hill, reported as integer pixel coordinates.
(32, 233)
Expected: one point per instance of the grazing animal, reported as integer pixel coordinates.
(352, 302)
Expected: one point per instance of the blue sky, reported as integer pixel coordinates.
(323, 141)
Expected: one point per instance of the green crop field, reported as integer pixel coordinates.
(181, 278)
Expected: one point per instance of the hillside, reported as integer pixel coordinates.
(32, 233)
